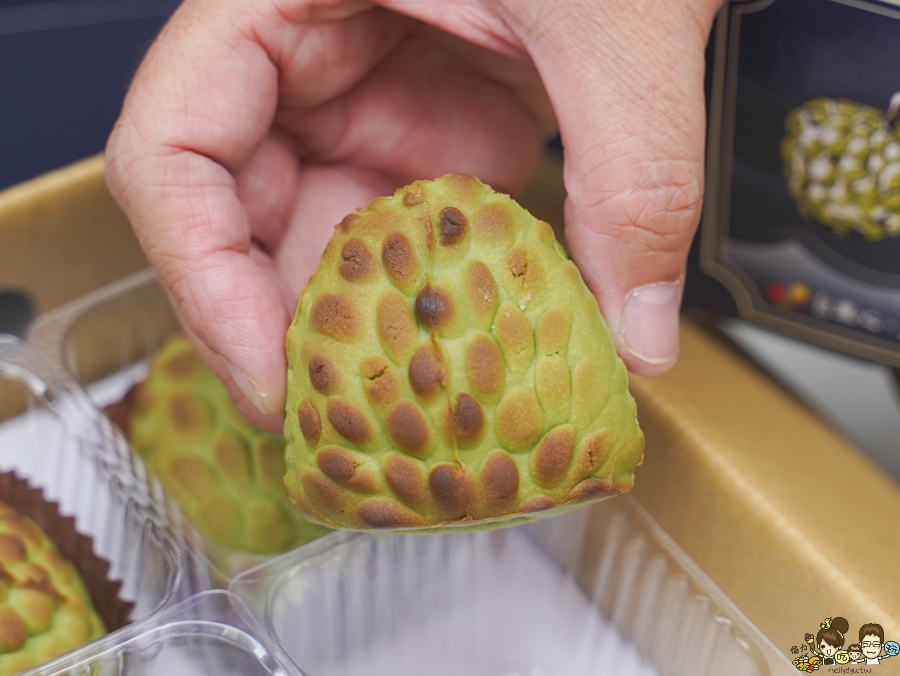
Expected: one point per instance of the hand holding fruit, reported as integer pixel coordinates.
(252, 128)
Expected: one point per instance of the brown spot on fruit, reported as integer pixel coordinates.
(310, 425)
(592, 489)
(484, 367)
(12, 549)
(193, 473)
(408, 428)
(232, 458)
(516, 261)
(453, 226)
(450, 488)
(32, 576)
(494, 222)
(322, 493)
(300, 502)
(396, 325)
(406, 478)
(590, 455)
(348, 421)
(461, 186)
(426, 372)
(23, 528)
(553, 455)
(466, 421)
(538, 503)
(481, 290)
(514, 335)
(334, 316)
(323, 374)
(358, 264)
(342, 468)
(413, 196)
(399, 259)
(381, 381)
(553, 329)
(190, 416)
(13, 631)
(385, 513)
(518, 420)
(434, 308)
(499, 482)
(183, 366)
(270, 467)
(349, 222)
(527, 273)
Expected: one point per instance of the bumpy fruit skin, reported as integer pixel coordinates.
(447, 366)
(842, 164)
(45, 609)
(225, 474)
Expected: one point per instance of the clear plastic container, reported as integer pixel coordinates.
(49, 437)
(207, 634)
(100, 345)
(601, 590)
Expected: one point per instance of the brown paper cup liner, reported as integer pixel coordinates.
(120, 412)
(74, 547)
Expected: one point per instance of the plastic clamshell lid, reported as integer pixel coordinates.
(601, 590)
(210, 633)
(51, 437)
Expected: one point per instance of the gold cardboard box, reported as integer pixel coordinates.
(787, 518)
(792, 522)
(62, 235)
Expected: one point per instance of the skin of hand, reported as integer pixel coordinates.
(253, 126)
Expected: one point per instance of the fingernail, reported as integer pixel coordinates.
(650, 322)
(250, 390)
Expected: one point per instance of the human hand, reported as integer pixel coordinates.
(252, 127)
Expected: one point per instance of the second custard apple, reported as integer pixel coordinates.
(45, 607)
(226, 475)
(842, 164)
(449, 367)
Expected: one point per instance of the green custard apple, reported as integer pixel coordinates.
(447, 366)
(225, 474)
(842, 164)
(45, 608)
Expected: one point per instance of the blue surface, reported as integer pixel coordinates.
(64, 70)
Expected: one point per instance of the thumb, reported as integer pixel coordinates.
(626, 81)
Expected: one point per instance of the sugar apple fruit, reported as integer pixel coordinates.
(225, 474)
(842, 164)
(447, 366)
(45, 608)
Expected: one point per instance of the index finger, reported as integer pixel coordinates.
(200, 106)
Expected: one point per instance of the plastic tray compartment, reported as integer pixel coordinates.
(601, 590)
(100, 345)
(49, 437)
(207, 634)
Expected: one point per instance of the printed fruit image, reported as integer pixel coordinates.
(842, 164)
(225, 474)
(449, 367)
(45, 609)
